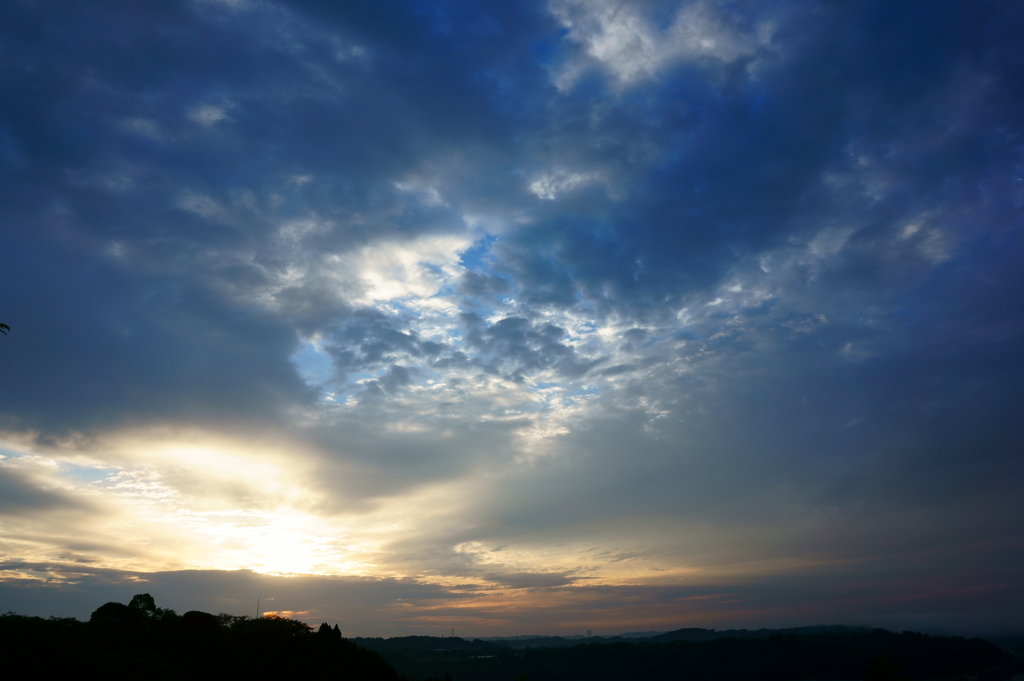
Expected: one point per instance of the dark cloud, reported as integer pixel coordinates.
(385, 607)
(369, 339)
(19, 495)
(358, 605)
(751, 298)
(517, 346)
(97, 347)
(477, 285)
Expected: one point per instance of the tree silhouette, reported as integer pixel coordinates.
(4, 329)
(143, 604)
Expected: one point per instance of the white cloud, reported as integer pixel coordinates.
(555, 183)
(395, 271)
(204, 206)
(629, 44)
(207, 115)
(426, 192)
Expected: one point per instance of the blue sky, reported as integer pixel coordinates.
(515, 316)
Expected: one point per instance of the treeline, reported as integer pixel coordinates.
(875, 655)
(142, 641)
(690, 634)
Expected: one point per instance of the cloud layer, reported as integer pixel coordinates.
(590, 302)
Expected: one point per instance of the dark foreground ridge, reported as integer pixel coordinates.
(812, 653)
(140, 640)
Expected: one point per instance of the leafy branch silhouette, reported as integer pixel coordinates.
(4, 329)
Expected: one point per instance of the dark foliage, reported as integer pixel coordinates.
(759, 656)
(141, 641)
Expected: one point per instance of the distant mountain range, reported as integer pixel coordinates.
(688, 634)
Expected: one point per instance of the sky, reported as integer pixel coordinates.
(515, 317)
